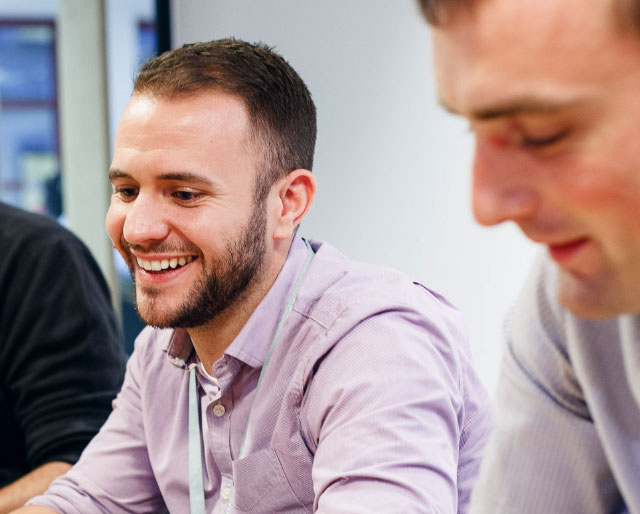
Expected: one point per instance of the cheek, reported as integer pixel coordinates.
(604, 195)
(578, 180)
(607, 186)
(114, 222)
(608, 169)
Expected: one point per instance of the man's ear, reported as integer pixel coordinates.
(295, 193)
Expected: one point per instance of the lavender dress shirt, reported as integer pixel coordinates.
(369, 404)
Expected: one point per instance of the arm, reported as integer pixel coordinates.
(16, 494)
(385, 409)
(61, 352)
(114, 473)
(544, 454)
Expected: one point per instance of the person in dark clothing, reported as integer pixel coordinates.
(61, 352)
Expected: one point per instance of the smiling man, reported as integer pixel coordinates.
(279, 375)
(552, 92)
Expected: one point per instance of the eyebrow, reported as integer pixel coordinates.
(178, 176)
(513, 107)
(116, 174)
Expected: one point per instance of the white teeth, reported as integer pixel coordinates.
(164, 263)
(144, 264)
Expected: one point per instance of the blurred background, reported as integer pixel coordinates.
(393, 168)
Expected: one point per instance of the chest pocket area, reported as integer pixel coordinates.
(261, 486)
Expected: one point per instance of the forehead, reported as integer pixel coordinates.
(206, 134)
(208, 114)
(515, 48)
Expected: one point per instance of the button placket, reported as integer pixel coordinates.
(226, 491)
(218, 418)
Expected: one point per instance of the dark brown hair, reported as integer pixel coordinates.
(626, 12)
(435, 11)
(281, 112)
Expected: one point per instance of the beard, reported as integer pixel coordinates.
(223, 283)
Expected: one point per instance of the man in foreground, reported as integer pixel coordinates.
(552, 92)
(282, 377)
(61, 356)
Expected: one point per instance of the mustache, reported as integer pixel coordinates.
(159, 247)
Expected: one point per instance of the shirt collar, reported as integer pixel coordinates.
(251, 345)
(179, 348)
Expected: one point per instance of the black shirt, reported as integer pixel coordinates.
(61, 356)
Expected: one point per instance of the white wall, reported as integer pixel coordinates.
(392, 167)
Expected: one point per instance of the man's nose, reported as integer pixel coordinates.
(145, 221)
(502, 186)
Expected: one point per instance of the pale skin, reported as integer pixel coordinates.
(201, 143)
(32, 484)
(197, 147)
(551, 93)
(290, 200)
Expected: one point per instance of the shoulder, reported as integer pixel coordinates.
(556, 351)
(340, 293)
(377, 316)
(20, 227)
(538, 319)
(378, 341)
(30, 239)
(336, 286)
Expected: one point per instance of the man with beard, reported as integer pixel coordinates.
(280, 376)
(551, 91)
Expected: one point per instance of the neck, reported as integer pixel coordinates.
(212, 339)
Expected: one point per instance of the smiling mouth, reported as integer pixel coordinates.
(164, 265)
(565, 251)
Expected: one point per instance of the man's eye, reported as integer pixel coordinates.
(186, 196)
(543, 141)
(126, 193)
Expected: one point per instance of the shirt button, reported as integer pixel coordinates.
(226, 493)
(218, 410)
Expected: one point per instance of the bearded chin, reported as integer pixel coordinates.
(224, 281)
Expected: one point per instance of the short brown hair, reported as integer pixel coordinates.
(281, 112)
(627, 12)
(435, 11)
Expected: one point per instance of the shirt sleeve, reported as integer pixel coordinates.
(114, 474)
(62, 357)
(544, 455)
(385, 409)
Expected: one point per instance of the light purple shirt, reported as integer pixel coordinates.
(369, 404)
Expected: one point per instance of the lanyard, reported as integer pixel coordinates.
(196, 487)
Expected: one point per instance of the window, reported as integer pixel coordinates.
(29, 142)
